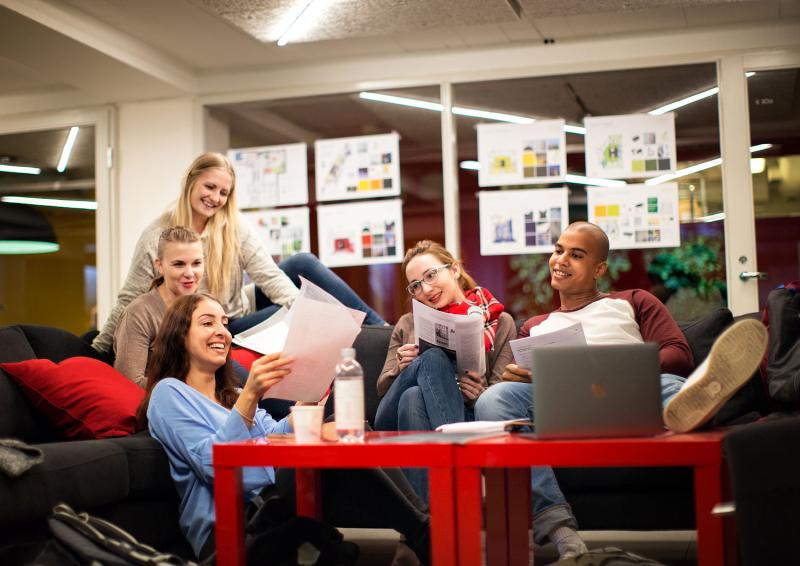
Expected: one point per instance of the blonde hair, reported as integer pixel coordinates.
(466, 282)
(222, 244)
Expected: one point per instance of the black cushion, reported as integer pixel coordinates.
(700, 334)
(148, 467)
(17, 417)
(764, 466)
(84, 474)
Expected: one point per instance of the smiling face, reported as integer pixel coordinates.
(208, 195)
(182, 268)
(445, 288)
(576, 263)
(208, 339)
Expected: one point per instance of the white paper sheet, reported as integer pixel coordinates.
(313, 331)
(523, 348)
(481, 426)
(283, 231)
(459, 336)
(269, 176)
(636, 216)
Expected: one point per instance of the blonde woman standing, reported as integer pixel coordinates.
(207, 205)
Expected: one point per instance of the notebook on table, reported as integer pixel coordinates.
(597, 391)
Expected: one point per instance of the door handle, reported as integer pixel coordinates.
(745, 275)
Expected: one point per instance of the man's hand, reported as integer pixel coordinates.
(513, 372)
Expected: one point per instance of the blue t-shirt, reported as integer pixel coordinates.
(187, 424)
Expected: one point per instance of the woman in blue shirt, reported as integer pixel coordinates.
(193, 402)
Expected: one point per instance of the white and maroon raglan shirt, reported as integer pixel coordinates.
(623, 317)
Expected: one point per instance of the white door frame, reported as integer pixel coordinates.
(102, 119)
(737, 181)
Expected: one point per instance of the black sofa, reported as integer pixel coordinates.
(127, 481)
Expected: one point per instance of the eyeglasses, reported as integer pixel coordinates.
(429, 277)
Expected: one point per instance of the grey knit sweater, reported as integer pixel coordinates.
(253, 259)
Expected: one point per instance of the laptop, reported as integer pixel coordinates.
(597, 391)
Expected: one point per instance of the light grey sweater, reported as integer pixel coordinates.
(253, 259)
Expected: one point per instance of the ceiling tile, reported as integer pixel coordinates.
(555, 27)
(790, 8)
(520, 31)
(548, 8)
(627, 22)
(731, 13)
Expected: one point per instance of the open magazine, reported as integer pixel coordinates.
(313, 331)
(459, 336)
(523, 348)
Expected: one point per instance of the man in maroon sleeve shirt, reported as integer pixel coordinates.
(578, 261)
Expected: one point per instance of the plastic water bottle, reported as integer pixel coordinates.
(348, 399)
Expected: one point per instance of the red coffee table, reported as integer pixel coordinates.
(507, 459)
(308, 459)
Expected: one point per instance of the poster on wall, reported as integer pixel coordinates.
(636, 216)
(360, 233)
(630, 147)
(522, 221)
(267, 176)
(358, 167)
(520, 154)
(283, 231)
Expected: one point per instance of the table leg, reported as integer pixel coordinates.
(444, 523)
(470, 516)
(229, 505)
(518, 505)
(707, 493)
(308, 488)
(496, 516)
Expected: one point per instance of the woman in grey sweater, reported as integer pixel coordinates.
(207, 204)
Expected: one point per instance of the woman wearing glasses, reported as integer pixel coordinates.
(421, 392)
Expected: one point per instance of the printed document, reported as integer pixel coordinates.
(523, 347)
(483, 426)
(317, 328)
(459, 336)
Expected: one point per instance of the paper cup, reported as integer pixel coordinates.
(307, 423)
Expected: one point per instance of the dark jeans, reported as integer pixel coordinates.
(314, 270)
(360, 498)
(423, 396)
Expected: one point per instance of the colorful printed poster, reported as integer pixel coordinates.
(636, 216)
(520, 154)
(355, 168)
(360, 233)
(268, 176)
(522, 221)
(628, 147)
(284, 231)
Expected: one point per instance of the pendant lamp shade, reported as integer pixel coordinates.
(25, 230)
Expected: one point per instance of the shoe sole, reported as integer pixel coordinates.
(733, 358)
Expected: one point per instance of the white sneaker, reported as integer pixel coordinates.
(734, 357)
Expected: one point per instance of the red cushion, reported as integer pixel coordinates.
(83, 397)
(245, 357)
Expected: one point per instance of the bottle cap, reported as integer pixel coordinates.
(348, 352)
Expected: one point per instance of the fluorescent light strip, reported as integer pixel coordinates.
(699, 167)
(689, 99)
(65, 153)
(592, 181)
(54, 202)
(489, 115)
(402, 101)
(19, 169)
(293, 17)
(579, 179)
(712, 217)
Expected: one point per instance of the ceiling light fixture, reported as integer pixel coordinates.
(689, 99)
(292, 18)
(702, 166)
(25, 230)
(53, 202)
(67, 151)
(19, 169)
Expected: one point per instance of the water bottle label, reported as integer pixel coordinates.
(349, 404)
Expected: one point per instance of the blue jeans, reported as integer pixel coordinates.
(422, 397)
(512, 400)
(314, 270)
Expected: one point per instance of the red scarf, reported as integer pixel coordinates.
(490, 309)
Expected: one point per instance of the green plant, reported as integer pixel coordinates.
(693, 265)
